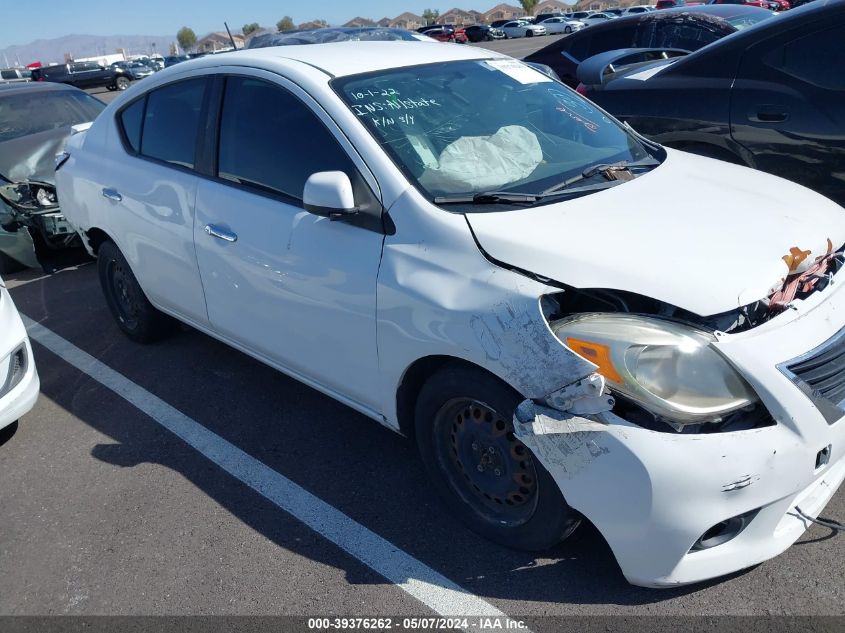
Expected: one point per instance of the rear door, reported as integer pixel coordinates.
(788, 106)
(153, 186)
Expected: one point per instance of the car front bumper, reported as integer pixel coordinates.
(653, 495)
(19, 400)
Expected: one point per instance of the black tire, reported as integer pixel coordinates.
(7, 432)
(9, 265)
(529, 34)
(464, 416)
(488, 38)
(567, 29)
(134, 313)
(121, 83)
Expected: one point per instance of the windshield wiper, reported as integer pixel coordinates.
(494, 197)
(620, 171)
(488, 197)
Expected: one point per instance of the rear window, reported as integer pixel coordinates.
(26, 113)
(171, 122)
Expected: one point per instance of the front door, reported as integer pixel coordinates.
(294, 288)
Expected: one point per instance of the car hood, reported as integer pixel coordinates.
(32, 157)
(697, 233)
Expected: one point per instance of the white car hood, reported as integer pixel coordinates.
(700, 234)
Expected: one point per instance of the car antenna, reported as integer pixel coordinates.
(231, 39)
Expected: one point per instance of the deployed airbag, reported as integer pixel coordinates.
(477, 163)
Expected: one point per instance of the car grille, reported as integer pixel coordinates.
(821, 374)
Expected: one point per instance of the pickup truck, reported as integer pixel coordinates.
(84, 75)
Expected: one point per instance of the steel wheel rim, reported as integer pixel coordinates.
(487, 466)
(123, 295)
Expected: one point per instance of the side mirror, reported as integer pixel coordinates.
(329, 195)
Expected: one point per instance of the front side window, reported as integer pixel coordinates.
(801, 58)
(271, 141)
(473, 126)
(171, 122)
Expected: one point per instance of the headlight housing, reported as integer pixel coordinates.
(670, 369)
(29, 196)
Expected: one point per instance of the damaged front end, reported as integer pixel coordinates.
(33, 231)
(689, 447)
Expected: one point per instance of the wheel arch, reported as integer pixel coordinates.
(94, 238)
(416, 375)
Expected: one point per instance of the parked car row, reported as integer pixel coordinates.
(687, 29)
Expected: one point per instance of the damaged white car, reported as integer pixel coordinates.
(572, 321)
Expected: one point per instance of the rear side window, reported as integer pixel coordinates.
(171, 122)
(272, 141)
(817, 58)
(130, 120)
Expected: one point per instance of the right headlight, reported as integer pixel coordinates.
(668, 368)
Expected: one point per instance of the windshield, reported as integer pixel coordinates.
(38, 111)
(469, 127)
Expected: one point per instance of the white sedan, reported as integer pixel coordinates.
(19, 383)
(562, 25)
(569, 320)
(521, 28)
(597, 18)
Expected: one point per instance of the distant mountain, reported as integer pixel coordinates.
(54, 50)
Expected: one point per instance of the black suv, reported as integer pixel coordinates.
(84, 75)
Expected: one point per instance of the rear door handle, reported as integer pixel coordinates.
(769, 114)
(112, 194)
(221, 234)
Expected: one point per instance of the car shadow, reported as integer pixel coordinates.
(366, 471)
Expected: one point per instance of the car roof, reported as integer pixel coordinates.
(35, 86)
(339, 59)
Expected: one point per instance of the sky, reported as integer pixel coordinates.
(56, 18)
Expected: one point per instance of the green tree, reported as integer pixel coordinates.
(250, 28)
(430, 16)
(285, 24)
(528, 5)
(187, 38)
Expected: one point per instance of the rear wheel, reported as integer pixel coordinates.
(489, 479)
(134, 313)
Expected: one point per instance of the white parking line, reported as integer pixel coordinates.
(419, 580)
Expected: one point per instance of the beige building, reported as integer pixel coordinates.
(552, 6)
(218, 41)
(504, 12)
(359, 21)
(407, 20)
(458, 17)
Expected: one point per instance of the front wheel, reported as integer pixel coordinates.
(489, 479)
(134, 313)
(567, 30)
(121, 83)
(529, 34)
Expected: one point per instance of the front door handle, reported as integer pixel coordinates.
(769, 114)
(221, 234)
(112, 194)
